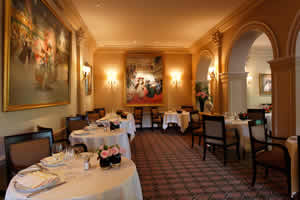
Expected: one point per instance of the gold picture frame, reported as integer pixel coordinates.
(37, 56)
(159, 93)
(265, 84)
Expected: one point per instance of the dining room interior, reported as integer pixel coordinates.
(104, 99)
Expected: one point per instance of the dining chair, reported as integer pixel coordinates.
(276, 157)
(216, 134)
(101, 112)
(26, 149)
(196, 125)
(74, 123)
(92, 116)
(156, 117)
(78, 148)
(187, 108)
(256, 114)
(138, 116)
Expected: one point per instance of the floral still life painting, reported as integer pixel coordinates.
(202, 94)
(144, 80)
(37, 52)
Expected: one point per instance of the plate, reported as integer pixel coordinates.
(52, 162)
(23, 189)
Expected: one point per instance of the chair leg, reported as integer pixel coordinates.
(225, 155)
(214, 148)
(204, 150)
(200, 140)
(192, 140)
(254, 173)
(266, 172)
(238, 150)
(289, 183)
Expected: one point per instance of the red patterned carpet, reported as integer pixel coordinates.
(170, 169)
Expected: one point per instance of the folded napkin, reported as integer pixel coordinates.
(30, 169)
(80, 132)
(36, 179)
(51, 160)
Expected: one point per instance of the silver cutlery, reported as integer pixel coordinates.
(45, 189)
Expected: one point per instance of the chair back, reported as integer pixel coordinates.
(258, 135)
(214, 127)
(187, 108)
(75, 123)
(138, 113)
(92, 115)
(101, 112)
(256, 114)
(26, 149)
(155, 113)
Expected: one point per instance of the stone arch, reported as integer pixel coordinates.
(293, 36)
(206, 58)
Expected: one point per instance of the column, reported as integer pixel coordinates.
(234, 88)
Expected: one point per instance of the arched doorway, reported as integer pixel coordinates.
(204, 67)
(242, 49)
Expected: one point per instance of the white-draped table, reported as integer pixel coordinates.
(181, 119)
(269, 120)
(94, 138)
(93, 184)
(128, 124)
(292, 146)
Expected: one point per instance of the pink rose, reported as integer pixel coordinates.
(115, 151)
(110, 152)
(198, 94)
(104, 154)
(101, 147)
(122, 150)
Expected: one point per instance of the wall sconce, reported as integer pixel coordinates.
(111, 78)
(249, 79)
(86, 70)
(211, 73)
(176, 78)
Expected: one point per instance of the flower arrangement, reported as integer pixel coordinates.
(202, 94)
(110, 156)
(243, 116)
(268, 108)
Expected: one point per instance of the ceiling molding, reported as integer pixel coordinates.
(141, 50)
(226, 23)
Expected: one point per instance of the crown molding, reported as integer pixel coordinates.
(159, 50)
(226, 23)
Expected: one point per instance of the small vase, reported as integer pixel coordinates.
(105, 163)
(115, 160)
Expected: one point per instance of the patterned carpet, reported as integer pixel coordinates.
(170, 169)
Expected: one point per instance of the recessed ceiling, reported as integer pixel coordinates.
(152, 23)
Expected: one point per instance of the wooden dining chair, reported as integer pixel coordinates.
(92, 116)
(156, 117)
(74, 123)
(276, 157)
(187, 108)
(78, 148)
(196, 125)
(216, 134)
(256, 114)
(138, 116)
(26, 149)
(101, 112)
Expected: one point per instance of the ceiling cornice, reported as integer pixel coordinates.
(226, 23)
(142, 50)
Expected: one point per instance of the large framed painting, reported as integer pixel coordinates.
(144, 80)
(37, 51)
(265, 84)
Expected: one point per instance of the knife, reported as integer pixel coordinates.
(45, 189)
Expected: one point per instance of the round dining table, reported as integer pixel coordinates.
(181, 119)
(95, 137)
(93, 184)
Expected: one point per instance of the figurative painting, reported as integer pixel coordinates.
(37, 52)
(265, 84)
(144, 80)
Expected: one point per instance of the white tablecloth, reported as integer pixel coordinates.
(127, 124)
(269, 120)
(95, 138)
(292, 147)
(182, 120)
(242, 127)
(94, 184)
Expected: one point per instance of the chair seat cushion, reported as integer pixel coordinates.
(275, 157)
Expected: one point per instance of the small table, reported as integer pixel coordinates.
(181, 119)
(292, 146)
(95, 183)
(93, 139)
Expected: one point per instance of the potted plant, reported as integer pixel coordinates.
(116, 157)
(104, 154)
(202, 94)
(243, 116)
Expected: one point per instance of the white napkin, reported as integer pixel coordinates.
(36, 179)
(32, 168)
(51, 160)
(79, 132)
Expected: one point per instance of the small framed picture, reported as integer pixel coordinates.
(265, 84)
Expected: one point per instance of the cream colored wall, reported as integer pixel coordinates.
(114, 60)
(256, 64)
(23, 121)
